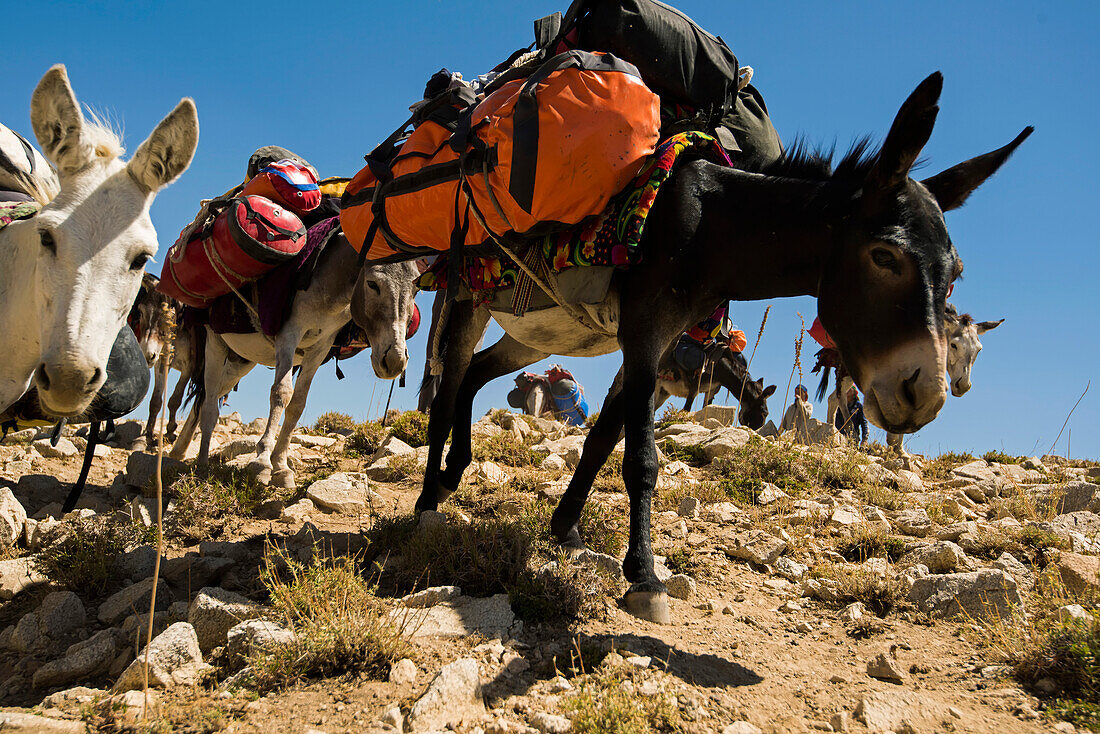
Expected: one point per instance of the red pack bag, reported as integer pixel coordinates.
(288, 183)
(246, 240)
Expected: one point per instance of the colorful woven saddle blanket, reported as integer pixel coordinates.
(13, 211)
(612, 238)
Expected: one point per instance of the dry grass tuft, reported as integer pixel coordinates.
(1063, 655)
(205, 501)
(341, 627)
(606, 703)
(672, 416)
(505, 448)
(83, 558)
(866, 541)
(878, 593)
(792, 470)
(940, 467)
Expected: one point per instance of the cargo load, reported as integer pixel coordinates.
(697, 76)
(246, 240)
(537, 155)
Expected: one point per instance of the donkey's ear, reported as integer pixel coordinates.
(911, 129)
(984, 326)
(955, 184)
(168, 151)
(768, 391)
(58, 123)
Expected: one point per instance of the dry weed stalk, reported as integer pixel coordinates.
(759, 334)
(168, 328)
(797, 358)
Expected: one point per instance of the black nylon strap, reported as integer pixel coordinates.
(293, 234)
(28, 150)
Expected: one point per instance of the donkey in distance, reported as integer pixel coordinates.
(69, 274)
(963, 346)
(865, 239)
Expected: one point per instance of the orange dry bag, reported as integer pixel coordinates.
(537, 155)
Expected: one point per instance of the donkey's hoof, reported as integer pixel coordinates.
(571, 540)
(651, 606)
(283, 479)
(260, 471)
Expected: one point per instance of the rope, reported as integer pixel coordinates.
(744, 76)
(549, 286)
(435, 361)
(216, 261)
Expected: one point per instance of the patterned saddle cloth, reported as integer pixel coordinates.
(612, 238)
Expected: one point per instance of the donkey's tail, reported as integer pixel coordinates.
(823, 386)
(196, 381)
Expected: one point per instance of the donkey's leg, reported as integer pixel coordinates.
(463, 329)
(223, 370)
(174, 403)
(599, 444)
(281, 475)
(643, 339)
(183, 440)
(894, 441)
(507, 355)
(282, 388)
(156, 399)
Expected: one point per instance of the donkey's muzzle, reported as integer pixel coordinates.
(65, 390)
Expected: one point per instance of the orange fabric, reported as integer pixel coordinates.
(595, 130)
(738, 342)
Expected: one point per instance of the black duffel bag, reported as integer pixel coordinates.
(684, 64)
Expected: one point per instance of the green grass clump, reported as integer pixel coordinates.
(505, 448)
(366, 438)
(1001, 457)
(870, 542)
(672, 416)
(334, 422)
(602, 705)
(691, 454)
(83, 559)
(205, 500)
(411, 427)
(340, 626)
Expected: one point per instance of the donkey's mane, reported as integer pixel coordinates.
(803, 161)
(105, 139)
(966, 319)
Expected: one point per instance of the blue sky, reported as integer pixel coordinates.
(330, 80)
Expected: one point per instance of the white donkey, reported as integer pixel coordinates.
(379, 297)
(69, 274)
(963, 347)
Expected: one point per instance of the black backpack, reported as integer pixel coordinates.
(684, 64)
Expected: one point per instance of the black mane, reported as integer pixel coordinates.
(803, 161)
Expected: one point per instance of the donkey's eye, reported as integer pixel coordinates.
(48, 241)
(374, 287)
(139, 261)
(885, 259)
(955, 347)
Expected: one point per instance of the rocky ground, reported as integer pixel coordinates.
(814, 588)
